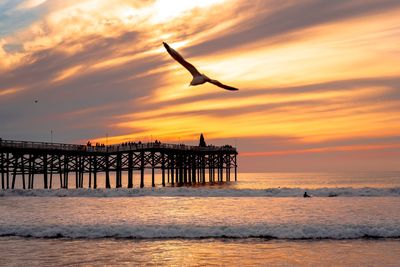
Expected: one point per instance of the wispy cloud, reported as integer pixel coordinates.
(310, 72)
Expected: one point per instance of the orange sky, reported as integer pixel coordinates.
(319, 80)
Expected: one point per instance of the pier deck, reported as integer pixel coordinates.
(178, 164)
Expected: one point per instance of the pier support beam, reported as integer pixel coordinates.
(221, 168)
(209, 168)
(189, 169)
(51, 171)
(130, 170)
(8, 170)
(228, 167)
(2, 171)
(107, 172)
(181, 170)
(23, 171)
(95, 172)
(14, 171)
(60, 170)
(198, 170)
(153, 184)
(77, 176)
(81, 170)
(90, 171)
(163, 169)
(172, 169)
(203, 169)
(141, 169)
(193, 169)
(235, 168)
(185, 175)
(66, 170)
(33, 170)
(29, 171)
(178, 170)
(118, 172)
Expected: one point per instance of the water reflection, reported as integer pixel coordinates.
(208, 252)
(257, 180)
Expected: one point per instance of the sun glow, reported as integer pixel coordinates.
(164, 10)
(316, 80)
(31, 4)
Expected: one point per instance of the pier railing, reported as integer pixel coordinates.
(109, 148)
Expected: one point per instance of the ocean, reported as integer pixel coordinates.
(352, 219)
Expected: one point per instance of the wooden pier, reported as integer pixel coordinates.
(178, 164)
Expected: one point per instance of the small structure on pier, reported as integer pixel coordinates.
(179, 164)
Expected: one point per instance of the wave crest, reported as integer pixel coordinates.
(281, 231)
(205, 192)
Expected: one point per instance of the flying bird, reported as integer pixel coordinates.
(198, 78)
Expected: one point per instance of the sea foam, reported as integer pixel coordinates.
(281, 231)
(205, 192)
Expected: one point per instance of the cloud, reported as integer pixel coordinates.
(13, 48)
(313, 75)
(272, 18)
(14, 18)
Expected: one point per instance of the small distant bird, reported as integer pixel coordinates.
(198, 78)
(36, 100)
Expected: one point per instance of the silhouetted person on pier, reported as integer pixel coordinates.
(202, 142)
(306, 195)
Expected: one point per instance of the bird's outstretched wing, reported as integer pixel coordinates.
(175, 55)
(226, 87)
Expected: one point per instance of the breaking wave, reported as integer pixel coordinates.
(205, 192)
(281, 231)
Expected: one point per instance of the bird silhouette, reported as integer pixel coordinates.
(198, 78)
